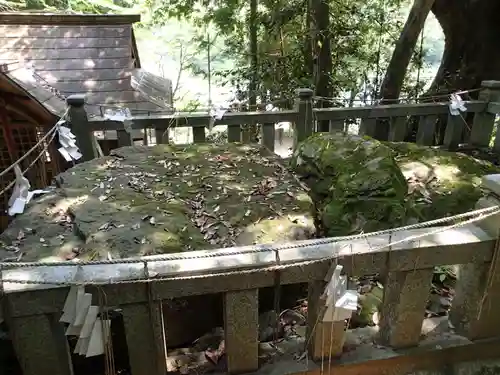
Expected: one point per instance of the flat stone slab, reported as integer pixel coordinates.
(164, 199)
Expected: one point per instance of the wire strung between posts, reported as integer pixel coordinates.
(291, 99)
(420, 98)
(251, 271)
(262, 248)
(12, 183)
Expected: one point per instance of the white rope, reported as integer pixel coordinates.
(252, 271)
(259, 248)
(11, 184)
(10, 167)
(48, 134)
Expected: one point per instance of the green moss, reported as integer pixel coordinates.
(457, 184)
(355, 183)
(359, 184)
(174, 198)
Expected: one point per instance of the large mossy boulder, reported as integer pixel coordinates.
(163, 199)
(355, 183)
(359, 184)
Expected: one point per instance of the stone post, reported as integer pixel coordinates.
(483, 121)
(476, 305)
(80, 126)
(304, 124)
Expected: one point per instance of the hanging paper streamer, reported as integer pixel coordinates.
(457, 104)
(340, 302)
(19, 197)
(215, 114)
(84, 322)
(121, 115)
(69, 150)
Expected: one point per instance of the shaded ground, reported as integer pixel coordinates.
(163, 199)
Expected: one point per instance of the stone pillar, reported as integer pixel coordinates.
(482, 127)
(80, 126)
(476, 305)
(304, 126)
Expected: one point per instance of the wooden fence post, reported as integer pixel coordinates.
(80, 126)
(476, 305)
(315, 290)
(403, 307)
(455, 125)
(304, 124)
(482, 127)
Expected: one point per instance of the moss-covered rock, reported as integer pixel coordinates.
(355, 183)
(359, 184)
(163, 199)
(440, 183)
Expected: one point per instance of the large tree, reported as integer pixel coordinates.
(472, 51)
(403, 50)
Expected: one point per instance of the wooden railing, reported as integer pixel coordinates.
(32, 311)
(386, 122)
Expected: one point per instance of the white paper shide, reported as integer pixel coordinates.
(340, 302)
(69, 150)
(21, 194)
(84, 322)
(457, 104)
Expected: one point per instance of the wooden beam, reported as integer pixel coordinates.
(394, 110)
(22, 105)
(135, 51)
(7, 131)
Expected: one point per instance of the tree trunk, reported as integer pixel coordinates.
(250, 133)
(398, 65)
(309, 40)
(320, 10)
(472, 50)
(396, 71)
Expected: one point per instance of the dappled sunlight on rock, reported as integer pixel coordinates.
(167, 199)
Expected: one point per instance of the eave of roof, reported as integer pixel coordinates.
(28, 18)
(33, 107)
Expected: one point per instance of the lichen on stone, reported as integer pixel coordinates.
(441, 183)
(359, 184)
(164, 199)
(355, 183)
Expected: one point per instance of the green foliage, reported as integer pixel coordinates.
(362, 35)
